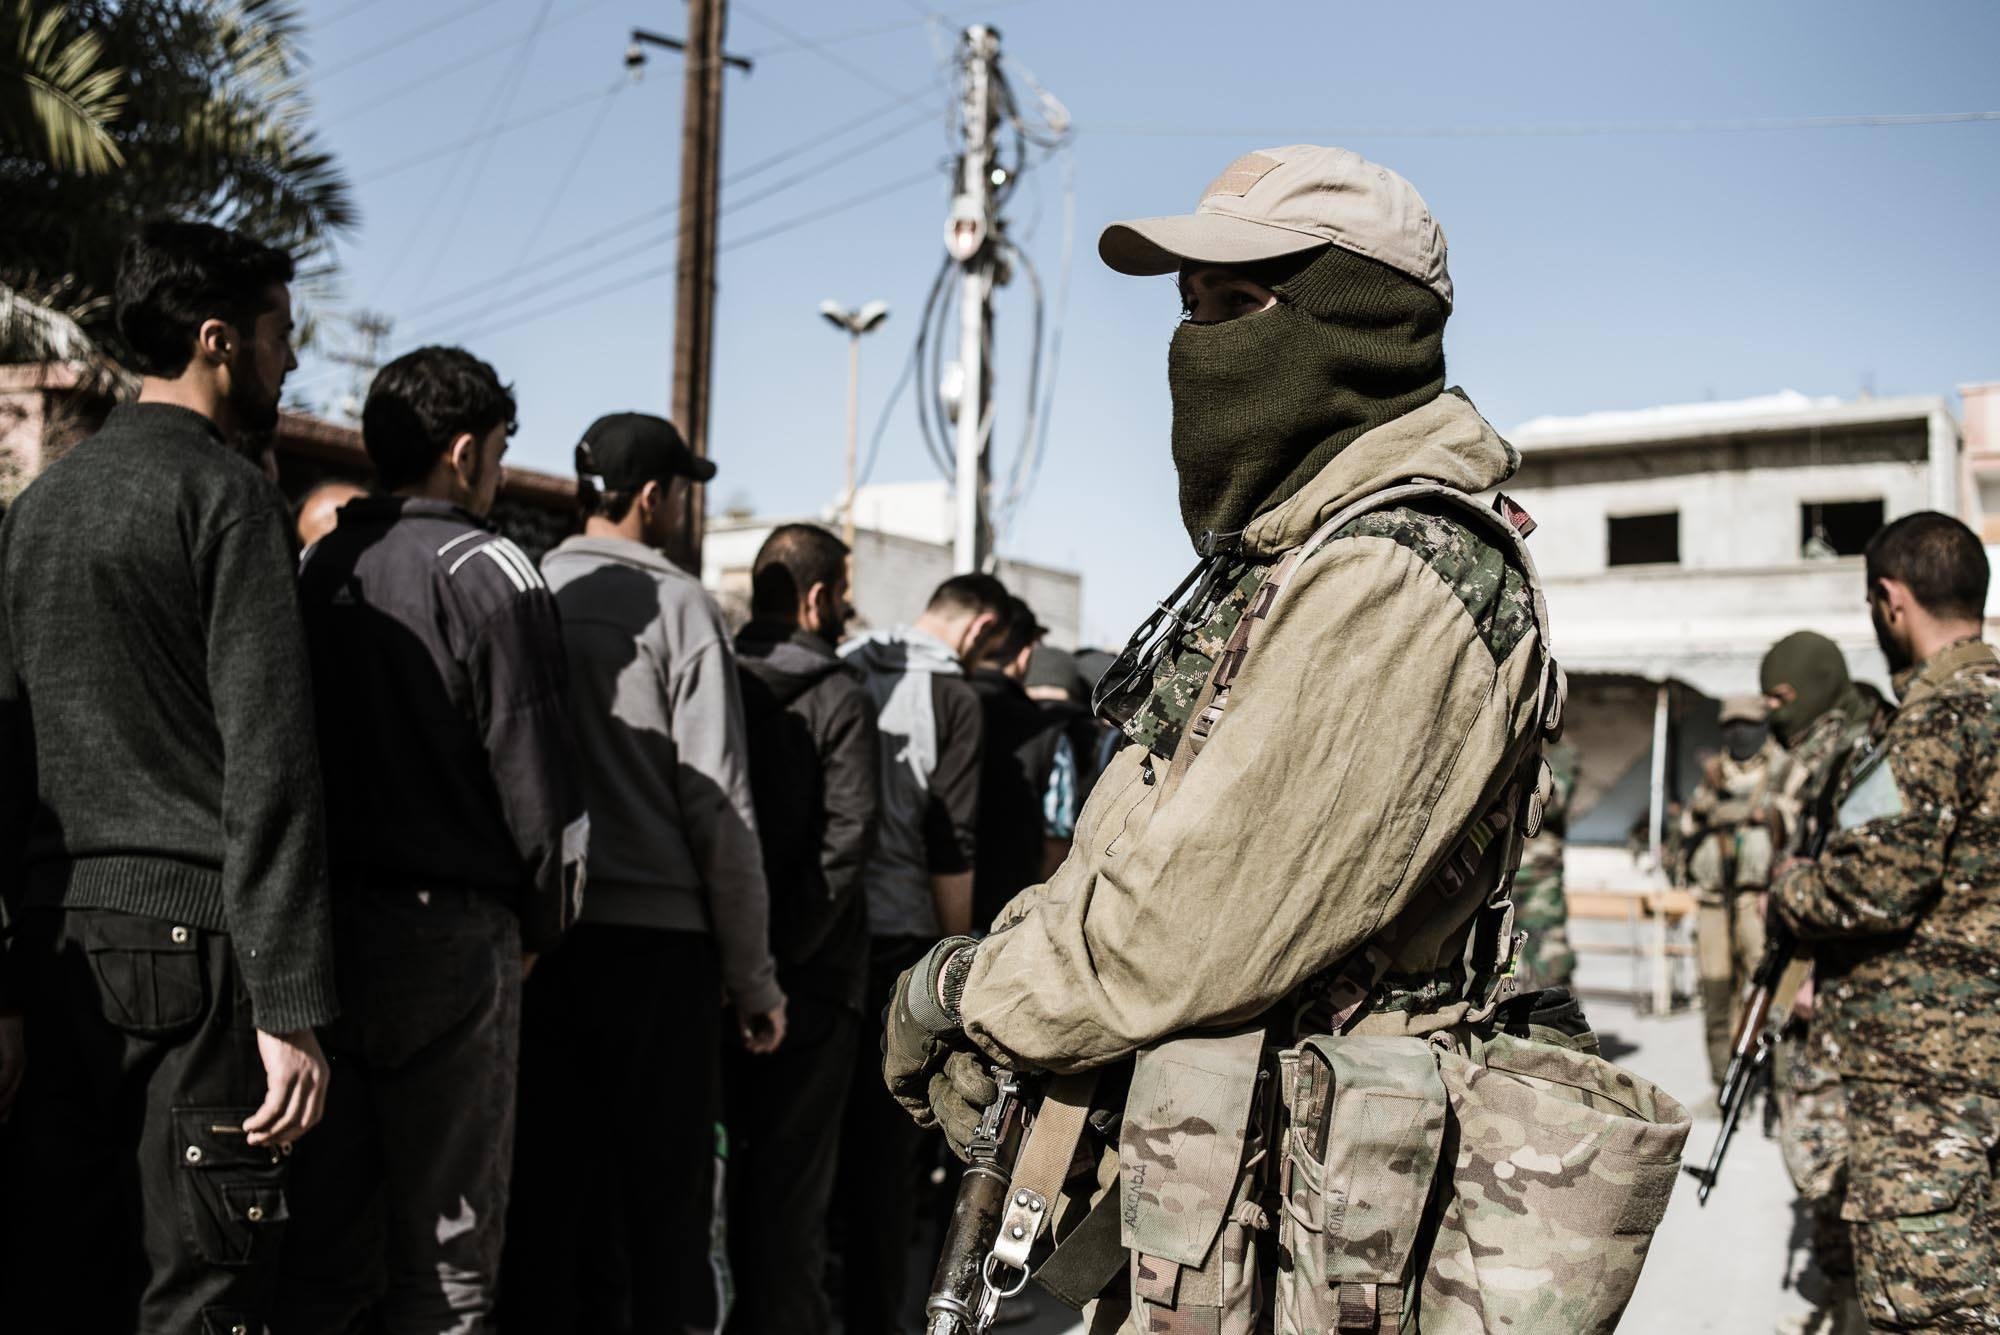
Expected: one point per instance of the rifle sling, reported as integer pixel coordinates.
(1089, 1258)
(1043, 1165)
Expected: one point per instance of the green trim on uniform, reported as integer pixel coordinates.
(1494, 592)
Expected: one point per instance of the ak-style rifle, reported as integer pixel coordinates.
(970, 1282)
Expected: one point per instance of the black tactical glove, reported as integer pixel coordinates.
(960, 1094)
(917, 1027)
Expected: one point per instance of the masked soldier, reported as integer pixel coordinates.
(1903, 906)
(1541, 907)
(1825, 719)
(1334, 755)
(1730, 832)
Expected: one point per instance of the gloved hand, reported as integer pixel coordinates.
(916, 1028)
(960, 1094)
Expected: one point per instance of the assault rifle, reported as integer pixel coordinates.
(1750, 1056)
(970, 1281)
(1756, 1035)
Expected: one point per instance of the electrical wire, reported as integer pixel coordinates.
(485, 286)
(575, 164)
(402, 39)
(1559, 128)
(348, 11)
(532, 118)
(595, 265)
(630, 280)
(813, 45)
(882, 29)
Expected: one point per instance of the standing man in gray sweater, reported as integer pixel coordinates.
(623, 1025)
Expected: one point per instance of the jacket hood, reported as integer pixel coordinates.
(788, 660)
(1446, 441)
(904, 649)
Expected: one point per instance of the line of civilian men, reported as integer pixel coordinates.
(166, 826)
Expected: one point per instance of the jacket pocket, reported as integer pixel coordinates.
(232, 1193)
(148, 971)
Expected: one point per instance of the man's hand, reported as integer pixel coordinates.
(917, 1027)
(13, 1060)
(295, 1081)
(960, 1094)
(1802, 1001)
(764, 1031)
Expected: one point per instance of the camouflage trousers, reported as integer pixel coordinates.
(1542, 911)
(1812, 1134)
(1729, 936)
(1924, 1206)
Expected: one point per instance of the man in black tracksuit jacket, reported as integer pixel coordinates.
(457, 838)
(813, 762)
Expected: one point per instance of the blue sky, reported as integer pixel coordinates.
(1593, 270)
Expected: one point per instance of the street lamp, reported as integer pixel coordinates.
(856, 323)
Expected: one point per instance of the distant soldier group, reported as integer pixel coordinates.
(1871, 837)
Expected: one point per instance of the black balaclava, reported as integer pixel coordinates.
(1816, 670)
(1743, 738)
(1262, 403)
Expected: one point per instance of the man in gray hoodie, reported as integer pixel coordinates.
(622, 1026)
(918, 882)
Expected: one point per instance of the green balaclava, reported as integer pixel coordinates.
(1262, 403)
(1816, 670)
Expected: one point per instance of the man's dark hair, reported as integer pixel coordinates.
(793, 559)
(969, 593)
(1938, 558)
(1018, 630)
(590, 502)
(423, 401)
(173, 276)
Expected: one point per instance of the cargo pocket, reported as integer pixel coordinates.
(232, 1193)
(1365, 1130)
(1564, 1165)
(148, 971)
(1189, 1154)
(1920, 1242)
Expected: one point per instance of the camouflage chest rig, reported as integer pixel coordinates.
(1295, 1176)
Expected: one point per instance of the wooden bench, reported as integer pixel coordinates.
(1654, 919)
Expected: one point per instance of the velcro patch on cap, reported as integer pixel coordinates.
(1240, 175)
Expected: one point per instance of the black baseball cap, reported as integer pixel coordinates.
(625, 451)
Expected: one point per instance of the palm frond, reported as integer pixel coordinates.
(56, 94)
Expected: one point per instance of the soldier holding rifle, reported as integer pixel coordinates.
(1333, 852)
(1903, 909)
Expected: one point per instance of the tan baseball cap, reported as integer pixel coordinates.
(1280, 201)
(1743, 709)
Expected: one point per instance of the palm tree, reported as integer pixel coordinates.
(57, 96)
(213, 124)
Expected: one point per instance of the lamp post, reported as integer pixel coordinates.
(856, 323)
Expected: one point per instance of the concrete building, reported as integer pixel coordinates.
(902, 543)
(1679, 543)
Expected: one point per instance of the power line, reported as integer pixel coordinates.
(402, 39)
(660, 271)
(813, 45)
(575, 164)
(882, 29)
(668, 210)
(430, 77)
(532, 118)
(1555, 128)
(347, 12)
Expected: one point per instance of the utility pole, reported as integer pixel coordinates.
(969, 237)
(694, 277)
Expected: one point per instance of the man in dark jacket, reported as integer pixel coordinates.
(458, 836)
(161, 832)
(1021, 739)
(813, 771)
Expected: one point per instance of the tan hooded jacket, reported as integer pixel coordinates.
(1368, 730)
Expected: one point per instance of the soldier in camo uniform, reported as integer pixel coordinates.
(1732, 831)
(1903, 909)
(1826, 719)
(1354, 809)
(1541, 909)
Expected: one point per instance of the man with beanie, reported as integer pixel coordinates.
(813, 767)
(1902, 909)
(1335, 754)
(162, 834)
(623, 1025)
(1732, 830)
(456, 832)
(919, 887)
(1825, 720)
